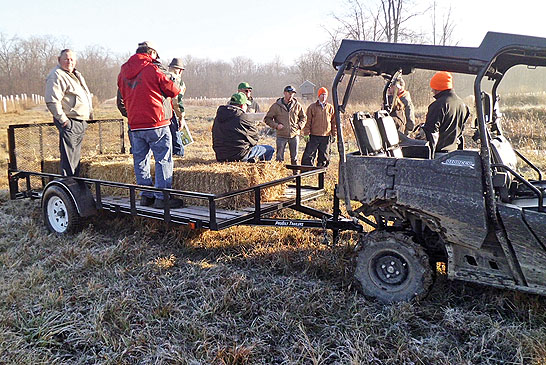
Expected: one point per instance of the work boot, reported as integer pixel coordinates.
(173, 203)
(146, 201)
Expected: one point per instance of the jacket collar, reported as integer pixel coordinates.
(442, 93)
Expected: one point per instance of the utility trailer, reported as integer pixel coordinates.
(470, 209)
(66, 201)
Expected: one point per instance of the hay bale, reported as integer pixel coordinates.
(189, 174)
(219, 178)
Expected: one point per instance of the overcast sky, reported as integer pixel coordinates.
(260, 30)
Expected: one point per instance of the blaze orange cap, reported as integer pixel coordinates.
(441, 81)
(322, 90)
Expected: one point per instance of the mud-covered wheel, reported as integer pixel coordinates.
(59, 211)
(392, 268)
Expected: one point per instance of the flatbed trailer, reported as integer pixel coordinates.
(66, 200)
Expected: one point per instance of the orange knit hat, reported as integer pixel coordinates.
(441, 81)
(322, 90)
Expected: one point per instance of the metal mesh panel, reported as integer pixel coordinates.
(34, 144)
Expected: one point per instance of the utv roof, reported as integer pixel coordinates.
(505, 50)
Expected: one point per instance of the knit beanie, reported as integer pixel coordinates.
(441, 81)
(322, 90)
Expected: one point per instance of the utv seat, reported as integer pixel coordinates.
(396, 147)
(508, 188)
(503, 153)
(367, 135)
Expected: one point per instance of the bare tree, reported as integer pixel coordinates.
(395, 16)
(443, 36)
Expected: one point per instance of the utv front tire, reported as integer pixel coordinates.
(59, 211)
(392, 268)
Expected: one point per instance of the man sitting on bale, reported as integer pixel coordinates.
(234, 135)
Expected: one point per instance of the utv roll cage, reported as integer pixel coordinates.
(497, 53)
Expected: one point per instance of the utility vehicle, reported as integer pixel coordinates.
(470, 209)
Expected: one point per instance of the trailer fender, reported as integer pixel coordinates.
(80, 194)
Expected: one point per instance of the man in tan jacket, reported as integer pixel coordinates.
(321, 127)
(69, 101)
(287, 117)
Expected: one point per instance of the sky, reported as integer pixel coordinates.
(222, 30)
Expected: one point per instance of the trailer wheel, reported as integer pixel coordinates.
(59, 211)
(392, 268)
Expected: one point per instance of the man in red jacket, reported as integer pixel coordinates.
(144, 92)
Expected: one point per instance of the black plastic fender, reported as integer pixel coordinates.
(80, 194)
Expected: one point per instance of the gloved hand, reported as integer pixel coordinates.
(306, 138)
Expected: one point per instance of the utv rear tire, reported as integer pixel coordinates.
(59, 211)
(392, 268)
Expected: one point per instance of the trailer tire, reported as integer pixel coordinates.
(59, 211)
(392, 268)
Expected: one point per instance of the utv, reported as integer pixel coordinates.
(470, 209)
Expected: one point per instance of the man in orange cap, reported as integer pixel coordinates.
(446, 116)
(321, 127)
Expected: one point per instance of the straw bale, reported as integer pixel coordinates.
(219, 178)
(189, 174)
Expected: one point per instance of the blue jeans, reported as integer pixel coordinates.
(292, 146)
(260, 152)
(178, 147)
(159, 142)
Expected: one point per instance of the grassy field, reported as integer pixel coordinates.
(127, 291)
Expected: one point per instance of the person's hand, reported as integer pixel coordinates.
(181, 124)
(306, 138)
(66, 123)
(420, 133)
(280, 126)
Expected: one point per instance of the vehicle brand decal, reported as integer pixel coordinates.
(460, 161)
(288, 224)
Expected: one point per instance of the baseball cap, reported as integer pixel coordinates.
(290, 89)
(244, 85)
(150, 45)
(238, 99)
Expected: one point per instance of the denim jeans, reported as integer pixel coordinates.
(292, 146)
(159, 142)
(261, 152)
(178, 147)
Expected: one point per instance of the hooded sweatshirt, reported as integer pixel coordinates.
(233, 134)
(144, 93)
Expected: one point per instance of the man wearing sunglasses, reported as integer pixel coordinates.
(245, 88)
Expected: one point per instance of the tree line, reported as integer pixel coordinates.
(25, 62)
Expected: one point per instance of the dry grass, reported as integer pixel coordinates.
(127, 291)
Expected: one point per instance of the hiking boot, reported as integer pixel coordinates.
(146, 201)
(173, 203)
